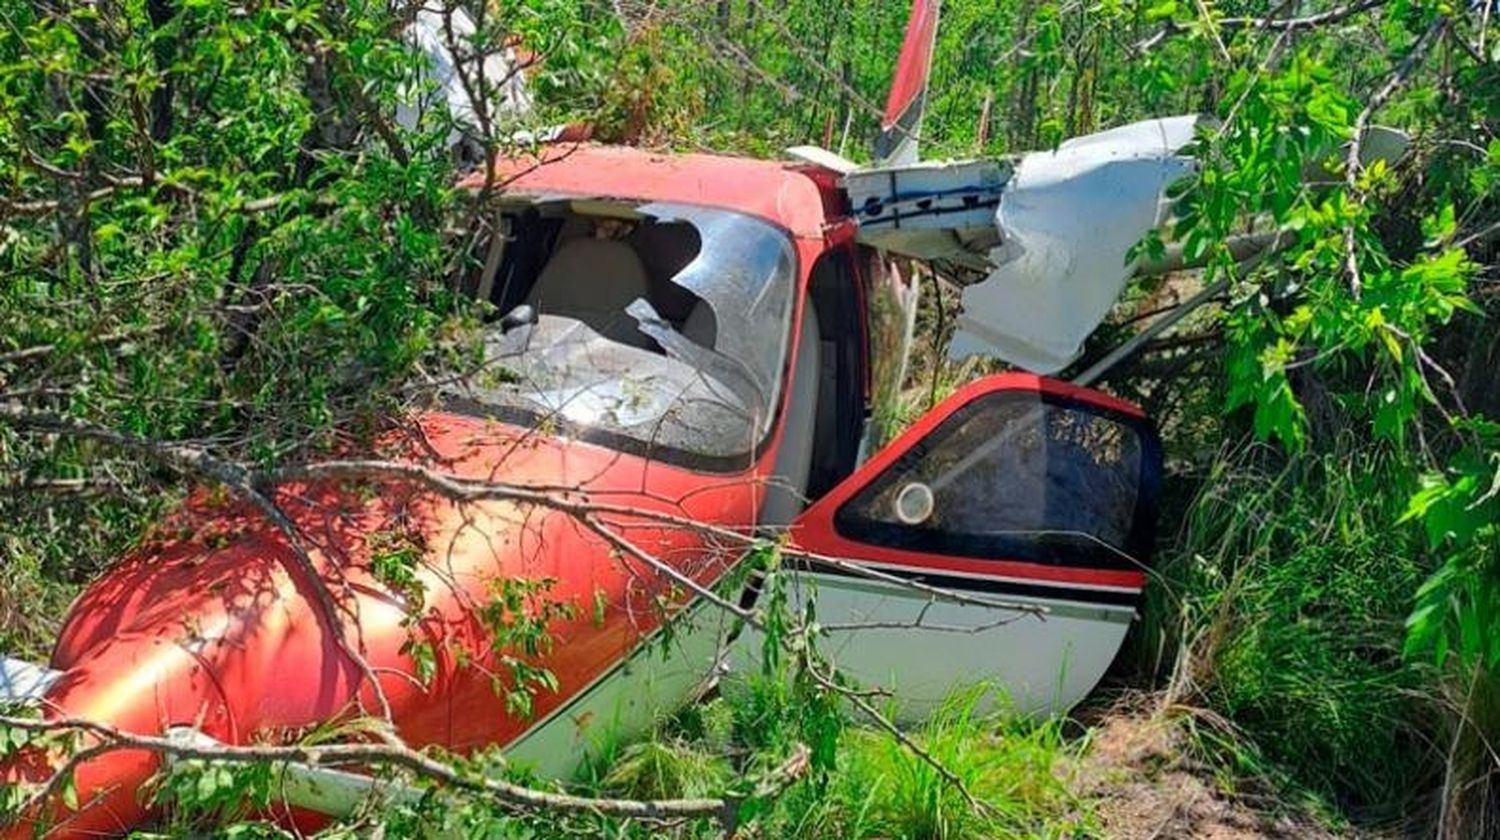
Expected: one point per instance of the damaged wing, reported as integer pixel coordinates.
(1049, 231)
(1066, 220)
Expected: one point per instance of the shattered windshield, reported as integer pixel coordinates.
(654, 328)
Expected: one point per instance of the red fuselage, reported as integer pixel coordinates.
(215, 623)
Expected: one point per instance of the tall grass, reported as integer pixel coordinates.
(1018, 769)
(1021, 770)
(1280, 606)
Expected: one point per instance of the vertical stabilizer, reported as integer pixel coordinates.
(899, 127)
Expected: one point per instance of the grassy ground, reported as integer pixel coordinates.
(1118, 770)
(1125, 766)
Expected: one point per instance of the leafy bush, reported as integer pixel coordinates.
(1287, 588)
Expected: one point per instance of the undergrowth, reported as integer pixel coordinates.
(1279, 610)
(878, 788)
(1020, 770)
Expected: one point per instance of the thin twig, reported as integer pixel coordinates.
(1334, 15)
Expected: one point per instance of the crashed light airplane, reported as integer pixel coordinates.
(696, 338)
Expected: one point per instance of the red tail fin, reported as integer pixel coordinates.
(903, 109)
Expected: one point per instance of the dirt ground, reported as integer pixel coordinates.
(1145, 786)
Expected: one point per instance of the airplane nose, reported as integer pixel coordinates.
(226, 642)
(140, 685)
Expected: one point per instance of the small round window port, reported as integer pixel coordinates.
(914, 503)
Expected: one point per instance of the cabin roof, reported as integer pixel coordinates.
(778, 191)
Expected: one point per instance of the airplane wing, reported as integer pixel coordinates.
(1048, 231)
(1066, 220)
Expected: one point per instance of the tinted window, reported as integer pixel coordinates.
(1019, 475)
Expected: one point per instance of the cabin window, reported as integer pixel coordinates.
(1018, 475)
(654, 328)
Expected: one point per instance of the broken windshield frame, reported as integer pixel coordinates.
(689, 371)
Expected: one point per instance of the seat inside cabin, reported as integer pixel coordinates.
(590, 267)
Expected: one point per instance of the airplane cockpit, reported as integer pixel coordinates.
(652, 328)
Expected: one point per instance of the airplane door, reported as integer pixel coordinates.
(1016, 490)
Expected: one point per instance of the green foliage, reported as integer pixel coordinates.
(517, 620)
(881, 789)
(1458, 607)
(654, 769)
(1308, 307)
(211, 231)
(1290, 585)
(200, 240)
(214, 794)
(1286, 592)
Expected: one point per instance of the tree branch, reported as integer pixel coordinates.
(1334, 15)
(1352, 167)
(509, 794)
(196, 461)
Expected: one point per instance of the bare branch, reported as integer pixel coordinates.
(461, 489)
(509, 794)
(34, 351)
(1332, 16)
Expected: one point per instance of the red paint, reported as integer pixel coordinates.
(914, 62)
(219, 630)
(215, 625)
(781, 193)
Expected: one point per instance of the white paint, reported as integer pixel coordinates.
(1054, 248)
(1051, 229)
(1066, 221)
(660, 676)
(819, 156)
(938, 210)
(24, 682)
(1042, 665)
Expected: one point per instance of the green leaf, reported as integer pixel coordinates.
(70, 792)
(1440, 228)
(1161, 10)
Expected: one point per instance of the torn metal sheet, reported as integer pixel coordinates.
(1066, 220)
(938, 210)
